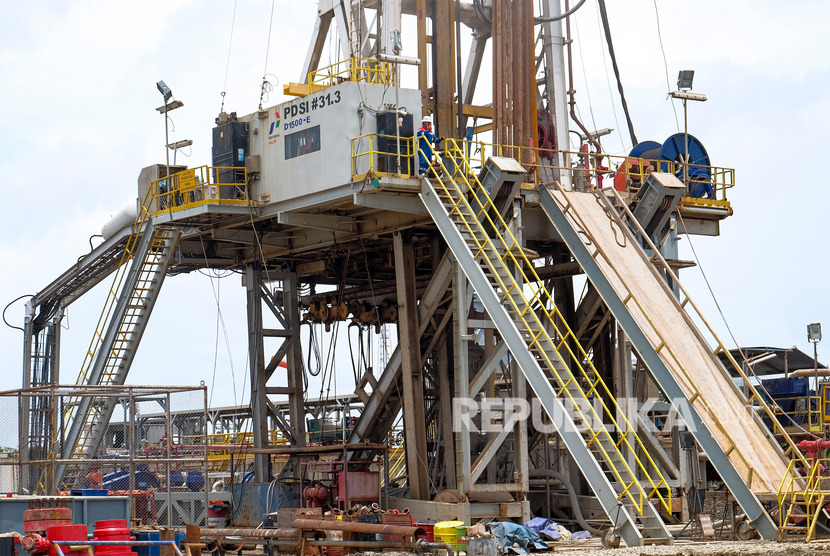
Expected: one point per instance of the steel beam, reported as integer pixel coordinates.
(490, 364)
(443, 48)
(294, 361)
(256, 359)
(621, 519)
(461, 304)
(396, 203)
(318, 221)
(412, 377)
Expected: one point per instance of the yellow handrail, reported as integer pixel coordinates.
(536, 329)
(595, 169)
(355, 69)
(802, 496)
(685, 301)
(592, 170)
(202, 185)
(372, 160)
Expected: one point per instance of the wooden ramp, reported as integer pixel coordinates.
(669, 342)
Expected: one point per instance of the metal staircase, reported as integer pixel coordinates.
(127, 309)
(589, 421)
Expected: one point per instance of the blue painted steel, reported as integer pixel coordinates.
(642, 148)
(152, 550)
(674, 149)
(251, 501)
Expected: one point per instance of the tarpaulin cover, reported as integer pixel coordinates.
(545, 527)
(509, 534)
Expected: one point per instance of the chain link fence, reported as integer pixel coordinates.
(148, 443)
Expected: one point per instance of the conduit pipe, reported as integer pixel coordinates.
(571, 90)
(551, 474)
(354, 527)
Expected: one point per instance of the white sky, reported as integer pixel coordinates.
(78, 87)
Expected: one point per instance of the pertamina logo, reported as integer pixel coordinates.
(275, 126)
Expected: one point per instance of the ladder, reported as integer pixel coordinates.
(802, 498)
(576, 398)
(127, 309)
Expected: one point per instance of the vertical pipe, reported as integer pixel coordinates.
(547, 467)
(686, 152)
(422, 55)
(52, 487)
(459, 84)
(22, 443)
(205, 444)
(498, 84)
(168, 423)
(131, 402)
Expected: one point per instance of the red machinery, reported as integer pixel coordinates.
(44, 513)
(339, 484)
(113, 530)
(36, 544)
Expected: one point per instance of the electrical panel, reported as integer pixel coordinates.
(230, 147)
(388, 141)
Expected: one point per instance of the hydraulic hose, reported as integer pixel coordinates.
(551, 474)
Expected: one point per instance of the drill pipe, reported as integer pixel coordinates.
(252, 533)
(352, 527)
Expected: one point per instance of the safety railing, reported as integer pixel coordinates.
(397, 454)
(376, 155)
(593, 170)
(540, 322)
(686, 303)
(357, 69)
(70, 411)
(805, 416)
(801, 498)
(203, 185)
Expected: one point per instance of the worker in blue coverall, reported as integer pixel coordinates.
(426, 138)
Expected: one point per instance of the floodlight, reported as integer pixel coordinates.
(164, 90)
(814, 332)
(685, 78)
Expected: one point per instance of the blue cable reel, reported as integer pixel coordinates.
(674, 150)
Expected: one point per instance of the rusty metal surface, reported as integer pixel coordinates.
(357, 527)
(251, 533)
(359, 486)
(44, 513)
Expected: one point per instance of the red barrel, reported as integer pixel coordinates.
(113, 530)
(217, 514)
(76, 533)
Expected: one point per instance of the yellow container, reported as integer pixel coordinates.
(450, 532)
(447, 527)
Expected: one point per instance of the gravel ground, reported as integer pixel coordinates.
(680, 548)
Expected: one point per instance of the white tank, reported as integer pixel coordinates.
(123, 218)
